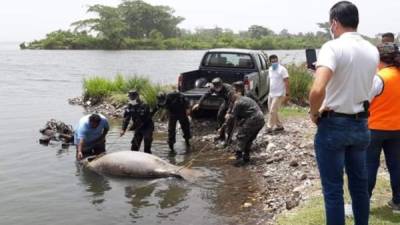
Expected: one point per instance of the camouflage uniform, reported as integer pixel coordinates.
(225, 93)
(250, 120)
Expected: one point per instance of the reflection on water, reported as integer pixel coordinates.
(96, 184)
(34, 88)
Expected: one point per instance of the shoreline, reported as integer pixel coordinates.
(284, 162)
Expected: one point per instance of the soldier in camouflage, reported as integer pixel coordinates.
(250, 120)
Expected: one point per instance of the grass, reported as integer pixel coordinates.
(313, 213)
(300, 81)
(98, 89)
(293, 111)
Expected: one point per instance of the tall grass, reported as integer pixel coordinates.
(98, 89)
(300, 81)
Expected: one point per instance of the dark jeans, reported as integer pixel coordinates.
(389, 141)
(185, 126)
(145, 133)
(342, 143)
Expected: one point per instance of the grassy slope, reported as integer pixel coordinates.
(312, 211)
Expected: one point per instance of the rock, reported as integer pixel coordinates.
(289, 147)
(266, 174)
(247, 205)
(290, 204)
(303, 176)
(270, 147)
(294, 163)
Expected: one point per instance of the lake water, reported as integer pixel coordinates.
(42, 185)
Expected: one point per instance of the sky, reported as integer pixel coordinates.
(26, 20)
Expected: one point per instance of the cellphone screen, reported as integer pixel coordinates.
(311, 57)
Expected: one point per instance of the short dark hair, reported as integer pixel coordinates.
(388, 35)
(94, 118)
(271, 57)
(346, 13)
(239, 85)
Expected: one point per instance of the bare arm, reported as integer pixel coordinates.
(286, 81)
(79, 149)
(317, 92)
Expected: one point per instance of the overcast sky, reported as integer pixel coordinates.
(25, 20)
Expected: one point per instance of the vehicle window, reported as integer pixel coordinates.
(234, 60)
(263, 63)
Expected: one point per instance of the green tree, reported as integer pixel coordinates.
(109, 25)
(256, 31)
(142, 18)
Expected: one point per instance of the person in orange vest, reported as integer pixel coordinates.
(384, 121)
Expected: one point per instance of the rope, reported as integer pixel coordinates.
(190, 162)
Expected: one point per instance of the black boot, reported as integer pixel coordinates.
(171, 146)
(187, 142)
(239, 161)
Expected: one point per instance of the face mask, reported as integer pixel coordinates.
(274, 66)
(133, 102)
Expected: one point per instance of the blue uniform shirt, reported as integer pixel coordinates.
(83, 130)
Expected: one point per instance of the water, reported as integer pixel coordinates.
(43, 185)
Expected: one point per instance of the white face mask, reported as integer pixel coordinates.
(133, 102)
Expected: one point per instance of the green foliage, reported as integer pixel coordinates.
(300, 81)
(98, 89)
(137, 25)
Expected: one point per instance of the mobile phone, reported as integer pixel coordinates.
(311, 56)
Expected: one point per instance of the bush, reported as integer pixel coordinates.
(299, 83)
(98, 89)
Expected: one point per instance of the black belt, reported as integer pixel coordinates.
(360, 115)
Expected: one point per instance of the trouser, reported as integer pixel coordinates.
(145, 133)
(247, 132)
(93, 149)
(228, 128)
(274, 103)
(342, 143)
(185, 126)
(221, 118)
(389, 141)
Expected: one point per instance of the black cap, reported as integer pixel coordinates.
(133, 94)
(217, 81)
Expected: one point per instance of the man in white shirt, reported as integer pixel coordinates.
(278, 92)
(339, 106)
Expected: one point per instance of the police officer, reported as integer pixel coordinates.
(143, 125)
(250, 120)
(178, 110)
(224, 91)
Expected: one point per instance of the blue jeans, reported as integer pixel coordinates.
(390, 142)
(342, 143)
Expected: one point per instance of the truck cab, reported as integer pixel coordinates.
(230, 65)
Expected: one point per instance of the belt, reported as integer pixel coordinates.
(360, 115)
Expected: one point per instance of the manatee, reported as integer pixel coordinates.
(134, 164)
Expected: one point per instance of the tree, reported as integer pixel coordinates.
(108, 25)
(257, 31)
(142, 18)
(326, 27)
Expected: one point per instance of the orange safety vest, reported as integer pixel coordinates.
(385, 108)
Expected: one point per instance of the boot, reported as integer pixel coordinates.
(187, 142)
(171, 146)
